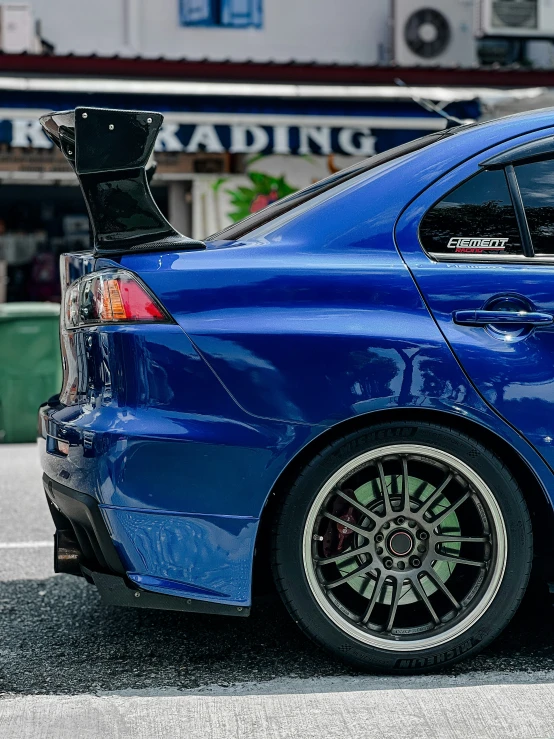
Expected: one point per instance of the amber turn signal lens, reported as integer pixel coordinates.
(112, 304)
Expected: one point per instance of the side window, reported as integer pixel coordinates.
(536, 184)
(476, 218)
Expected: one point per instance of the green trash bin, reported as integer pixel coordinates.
(30, 366)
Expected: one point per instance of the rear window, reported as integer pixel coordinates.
(256, 220)
(477, 217)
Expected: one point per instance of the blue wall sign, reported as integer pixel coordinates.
(354, 140)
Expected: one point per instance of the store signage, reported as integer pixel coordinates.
(235, 139)
(251, 139)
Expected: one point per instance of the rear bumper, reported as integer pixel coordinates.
(83, 546)
(181, 525)
(178, 472)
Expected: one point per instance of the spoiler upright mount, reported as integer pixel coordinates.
(109, 151)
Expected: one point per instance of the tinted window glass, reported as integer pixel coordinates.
(476, 218)
(536, 183)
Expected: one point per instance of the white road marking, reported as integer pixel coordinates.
(26, 544)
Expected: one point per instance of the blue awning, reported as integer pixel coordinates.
(223, 118)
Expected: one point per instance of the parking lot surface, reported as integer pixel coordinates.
(72, 667)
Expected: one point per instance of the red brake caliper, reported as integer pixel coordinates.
(336, 534)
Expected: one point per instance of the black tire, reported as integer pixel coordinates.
(298, 585)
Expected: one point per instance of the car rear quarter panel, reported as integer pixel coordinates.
(311, 323)
(316, 318)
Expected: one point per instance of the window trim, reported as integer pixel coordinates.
(490, 258)
(519, 209)
(532, 151)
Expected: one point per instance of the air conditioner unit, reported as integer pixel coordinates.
(517, 18)
(17, 31)
(434, 32)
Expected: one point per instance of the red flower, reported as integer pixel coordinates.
(261, 201)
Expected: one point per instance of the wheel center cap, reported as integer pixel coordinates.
(400, 543)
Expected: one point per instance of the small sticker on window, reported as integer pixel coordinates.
(476, 245)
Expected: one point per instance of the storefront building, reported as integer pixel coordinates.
(235, 138)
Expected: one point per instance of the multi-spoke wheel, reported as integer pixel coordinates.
(410, 552)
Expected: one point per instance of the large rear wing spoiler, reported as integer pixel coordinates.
(109, 151)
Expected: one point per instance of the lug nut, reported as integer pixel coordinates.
(379, 537)
(400, 520)
(415, 562)
(423, 535)
(388, 563)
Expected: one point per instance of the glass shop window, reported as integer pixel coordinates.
(536, 184)
(476, 218)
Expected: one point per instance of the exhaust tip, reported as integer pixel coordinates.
(67, 555)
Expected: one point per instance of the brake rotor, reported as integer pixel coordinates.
(368, 495)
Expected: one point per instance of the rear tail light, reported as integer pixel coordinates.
(111, 296)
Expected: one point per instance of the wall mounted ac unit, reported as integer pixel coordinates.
(17, 29)
(517, 18)
(434, 32)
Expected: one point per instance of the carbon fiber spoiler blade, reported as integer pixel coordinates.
(109, 151)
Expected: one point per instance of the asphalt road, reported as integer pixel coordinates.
(72, 667)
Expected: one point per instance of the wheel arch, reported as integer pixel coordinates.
(540, 507)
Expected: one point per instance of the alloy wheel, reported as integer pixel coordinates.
(404, 547)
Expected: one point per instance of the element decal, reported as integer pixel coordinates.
(476, 245)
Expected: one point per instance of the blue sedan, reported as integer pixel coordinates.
(349, 395)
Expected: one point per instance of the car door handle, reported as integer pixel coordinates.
(499, 317)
